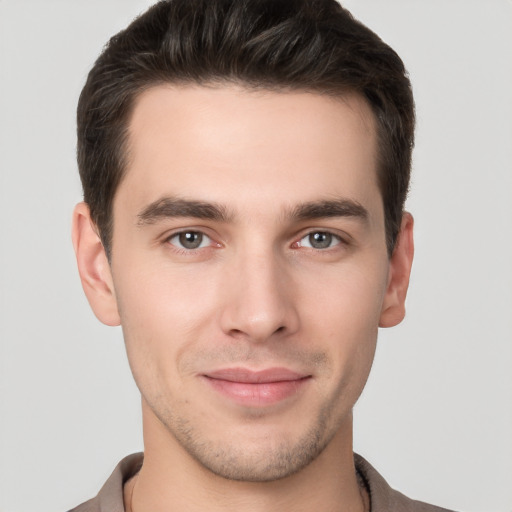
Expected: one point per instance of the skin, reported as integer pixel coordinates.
(258, 292)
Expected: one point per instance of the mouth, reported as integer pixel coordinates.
(256, 388)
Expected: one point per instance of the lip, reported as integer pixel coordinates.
(256, 388)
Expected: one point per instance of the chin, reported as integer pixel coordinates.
(268, 456)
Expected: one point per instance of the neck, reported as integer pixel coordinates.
(170, 479)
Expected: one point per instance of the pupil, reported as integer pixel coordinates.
(191, 239)
(320, 240)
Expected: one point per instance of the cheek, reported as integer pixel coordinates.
(343, 314)
(346, 299)
(162, 316)
(155, 296)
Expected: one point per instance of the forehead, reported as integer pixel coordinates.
(227, 144)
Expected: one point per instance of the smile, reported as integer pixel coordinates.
(256, 388)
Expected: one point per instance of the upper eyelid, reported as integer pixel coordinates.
(177, 231)
(328, 231)
(189, 251)
(340, 239)
(344, 237)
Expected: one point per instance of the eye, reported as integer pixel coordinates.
(190, 240)
(320, 240)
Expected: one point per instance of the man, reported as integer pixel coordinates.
(245, 166)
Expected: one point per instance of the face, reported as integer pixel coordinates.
(249, 270)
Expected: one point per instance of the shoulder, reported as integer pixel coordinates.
(383, 498)
(110, 497)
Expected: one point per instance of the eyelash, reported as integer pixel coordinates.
(295, 245)
(332, 237)
(185, 250)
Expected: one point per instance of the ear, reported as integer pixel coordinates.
(93, 267)
(393, 309)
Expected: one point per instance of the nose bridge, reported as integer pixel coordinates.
(258, 302)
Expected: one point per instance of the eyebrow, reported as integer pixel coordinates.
(170, 207)
(330, 208)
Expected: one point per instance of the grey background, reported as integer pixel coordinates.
(436, 416)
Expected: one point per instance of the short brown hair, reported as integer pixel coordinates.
(313, 45)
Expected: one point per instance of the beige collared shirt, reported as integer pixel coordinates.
(382, 497)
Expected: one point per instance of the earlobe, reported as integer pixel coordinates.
(393, 309)
(93, 267)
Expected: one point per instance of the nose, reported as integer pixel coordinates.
(259, 300)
